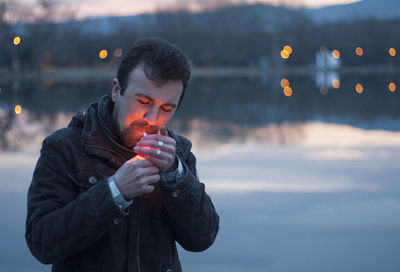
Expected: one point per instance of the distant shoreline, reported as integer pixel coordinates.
(97, 73)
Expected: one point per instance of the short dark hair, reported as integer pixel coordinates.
(163, 62)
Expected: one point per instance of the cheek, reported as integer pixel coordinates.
(130, 115)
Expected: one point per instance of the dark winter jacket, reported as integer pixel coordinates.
(74, 224)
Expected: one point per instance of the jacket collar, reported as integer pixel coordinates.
(98, 136)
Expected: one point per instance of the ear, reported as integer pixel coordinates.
(116, 90)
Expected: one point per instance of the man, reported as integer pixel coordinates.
(115, 189)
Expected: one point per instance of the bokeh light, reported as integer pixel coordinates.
(17, 40)
(284, 54)
(118, 52)
(0, 90)
(284, 82)
(392, 87)
(323, 90)
(336, 54)
(392, 52)
(288, 91)
(359, 88)
(18, 109)
(335, 83)
(288, 49)
(103, 54)
(359, 51)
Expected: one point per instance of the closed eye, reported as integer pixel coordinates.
(143, 102)
(165, 109)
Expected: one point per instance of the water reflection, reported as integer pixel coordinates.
(223, 109)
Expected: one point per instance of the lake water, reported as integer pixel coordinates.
(308, 182)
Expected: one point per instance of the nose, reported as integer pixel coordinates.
(151, 116)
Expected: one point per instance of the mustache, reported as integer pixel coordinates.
(144, 126)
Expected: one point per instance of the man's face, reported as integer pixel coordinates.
(144, 107)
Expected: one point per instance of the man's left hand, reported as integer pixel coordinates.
(159, 149)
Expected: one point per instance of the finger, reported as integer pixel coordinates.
(163, 131)
(149, 171)
(146, 180)
(156, 137)
(139, 162)
(155, 144)
(162, 163)
(148, 189)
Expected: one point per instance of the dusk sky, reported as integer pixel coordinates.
(91, 8)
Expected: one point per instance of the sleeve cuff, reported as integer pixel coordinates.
(119, 199)
(175, 175)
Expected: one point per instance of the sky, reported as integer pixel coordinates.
(93, 8)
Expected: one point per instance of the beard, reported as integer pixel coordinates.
(132, 134)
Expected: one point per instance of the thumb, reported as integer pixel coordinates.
(163, 131)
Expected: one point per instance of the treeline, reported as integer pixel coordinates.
(246, 35)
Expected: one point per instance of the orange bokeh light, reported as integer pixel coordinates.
(118, 52)
(323, 90)
(336, 54)
(288, 49)
(359, 51)
(284, 82)
(392, 87)
(18, 109)
(17, 40)
(288, 91)
(359, 88)
(103, 54)
(392, 52)
(284, 54)
(335, 83)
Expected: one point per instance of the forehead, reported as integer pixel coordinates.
(138, 83)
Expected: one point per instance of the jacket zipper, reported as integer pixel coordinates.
(138, 234)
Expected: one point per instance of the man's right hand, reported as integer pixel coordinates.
(135, 177)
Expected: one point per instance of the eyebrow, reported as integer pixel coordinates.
(151, 99)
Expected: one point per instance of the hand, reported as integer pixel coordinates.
(135, 177)
(149, 145)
